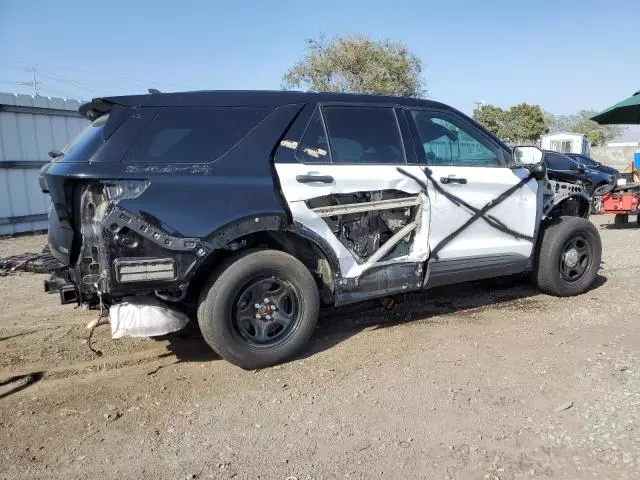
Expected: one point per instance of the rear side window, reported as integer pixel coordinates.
(194, 134)
(82, 148)
(363, 135)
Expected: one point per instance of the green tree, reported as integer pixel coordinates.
(491, 117)
(524, 123)
(596, 134)
(357, 64)
(595, 137)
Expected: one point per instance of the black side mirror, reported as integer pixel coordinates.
(582, 168)
(539, 171)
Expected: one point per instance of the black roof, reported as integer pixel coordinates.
(267, 98)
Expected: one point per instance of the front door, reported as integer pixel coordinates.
(345, 186)
(469, 171)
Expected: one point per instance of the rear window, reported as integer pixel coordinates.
(82, 148)
(194, 134)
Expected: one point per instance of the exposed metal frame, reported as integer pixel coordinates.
(350, 208)
(390, 244)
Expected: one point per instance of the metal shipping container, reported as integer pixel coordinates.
(30, 127)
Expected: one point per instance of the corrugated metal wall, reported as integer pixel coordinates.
(30, 127)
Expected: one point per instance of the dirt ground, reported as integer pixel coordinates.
(489, 380)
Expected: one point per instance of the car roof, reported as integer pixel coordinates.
(256, 98)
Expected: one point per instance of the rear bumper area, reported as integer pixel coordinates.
(121, 254)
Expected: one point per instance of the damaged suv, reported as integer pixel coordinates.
(252, 210)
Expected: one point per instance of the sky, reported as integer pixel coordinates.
(563, 55)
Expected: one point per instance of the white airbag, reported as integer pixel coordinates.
(144, 317)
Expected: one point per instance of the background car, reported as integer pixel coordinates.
(592, 164)
(562, 167)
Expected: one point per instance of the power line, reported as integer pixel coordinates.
(145, 83)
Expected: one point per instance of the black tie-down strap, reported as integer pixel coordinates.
(477, 212)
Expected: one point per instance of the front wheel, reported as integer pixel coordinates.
(260, 310)
(568, 257)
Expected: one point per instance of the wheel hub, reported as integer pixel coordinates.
(571, 258)
(265, 309)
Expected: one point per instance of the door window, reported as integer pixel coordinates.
(446, 140)
(557, 162)
(314, 147)
(364, 135)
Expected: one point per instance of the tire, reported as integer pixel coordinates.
(563, 242)
(230, 302)
(621, 219)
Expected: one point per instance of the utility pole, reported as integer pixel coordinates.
(478, 105)
(33, 83)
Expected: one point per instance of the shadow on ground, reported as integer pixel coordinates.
(18, 383)
(188, 345)
(340, 323)
(632, 225)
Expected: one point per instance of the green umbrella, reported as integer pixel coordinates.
(627, 112)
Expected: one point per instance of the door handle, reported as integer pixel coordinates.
(446, 180)
(314, 178)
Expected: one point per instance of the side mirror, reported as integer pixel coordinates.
(527, 156)
(582, 168)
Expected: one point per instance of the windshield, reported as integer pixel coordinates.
(585, 160)
(82, 148)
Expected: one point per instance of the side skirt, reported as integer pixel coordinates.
(447, 272)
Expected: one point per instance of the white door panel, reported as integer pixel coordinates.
(347, 178)
(483, 184)
(350, 179)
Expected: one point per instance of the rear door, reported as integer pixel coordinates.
(344, 184)
(468, 171)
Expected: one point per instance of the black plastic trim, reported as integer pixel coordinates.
(458, 270)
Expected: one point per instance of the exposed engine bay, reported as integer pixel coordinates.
(365, 221)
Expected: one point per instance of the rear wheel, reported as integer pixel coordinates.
(260, 309)
(621, 219)
(569, 257)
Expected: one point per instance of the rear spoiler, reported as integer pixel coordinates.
(101, 106)
(95, 108)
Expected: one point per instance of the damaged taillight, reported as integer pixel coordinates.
(125, 189)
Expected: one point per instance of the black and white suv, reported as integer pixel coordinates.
(253, 209)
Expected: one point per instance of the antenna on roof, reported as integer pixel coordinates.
(154, 91)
